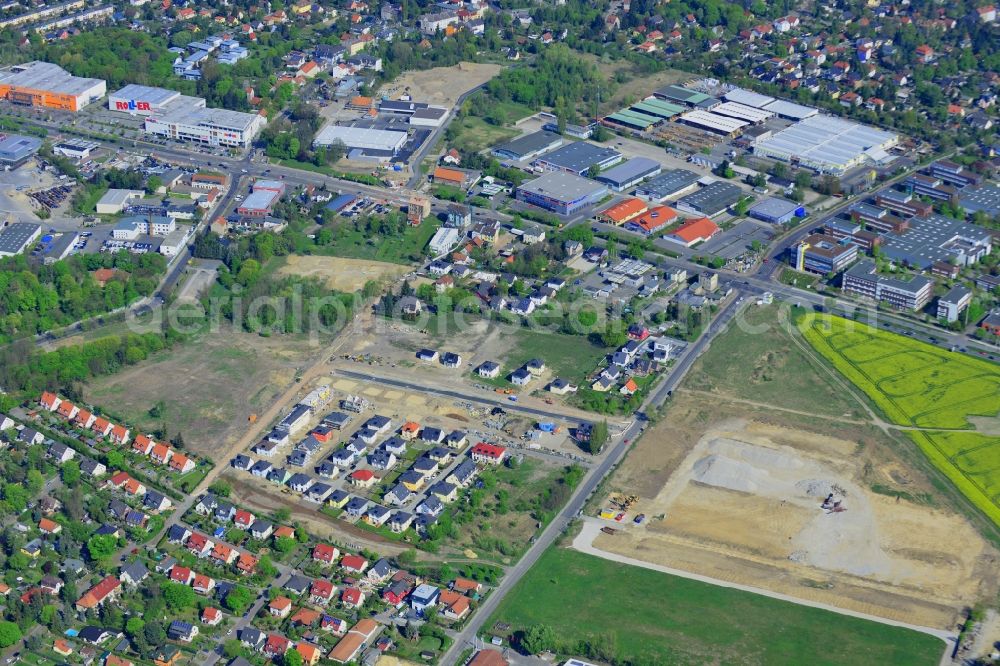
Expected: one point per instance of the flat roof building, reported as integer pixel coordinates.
(114, 201)
(828, 145)
(143, 100)
(791, 110)
(819, 253)
(623, 176)
(560, 192)
(776, 211)
(937, 239)
(711, 200)
(951, 305)
(528, 146)
(17, 237)
(578, 157)
(79, 149)
(748, 97)
(15, 149)
(187, 120)
(982, 198)
(911, 293)
(359, 138)
(48, 86)
(668, 184)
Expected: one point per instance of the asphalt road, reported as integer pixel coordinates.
(459, 395)
(590, 483)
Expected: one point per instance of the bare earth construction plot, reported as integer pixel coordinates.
(923, 387)
(732, 480)
(340, 273)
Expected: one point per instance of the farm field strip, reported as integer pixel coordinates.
(915, 384)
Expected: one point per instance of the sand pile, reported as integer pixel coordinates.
(723, 472)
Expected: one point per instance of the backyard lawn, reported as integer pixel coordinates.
(648, 617)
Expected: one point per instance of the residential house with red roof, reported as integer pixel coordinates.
(181, 463)
(354, 564)
(352, 597)
(67, 409)
(325, 553)
(488, 454)
(321, 591)
(101, 426)
(50, 401)
(84, 418)
(211, 616)
(108, 589)
(119, 435)
(280, 607)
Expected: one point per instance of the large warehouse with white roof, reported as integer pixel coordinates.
(360, 138)
(828, 145)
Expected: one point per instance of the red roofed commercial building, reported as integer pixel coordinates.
(693, 231)
(652, 221)
(107, 590)
(623, 211)
(490, 454)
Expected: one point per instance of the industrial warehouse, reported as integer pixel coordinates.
(363, 142)
(828, 145)
(577, 158)
(528, 146)
(628, 174)
(15, 149)
(179, 117)
(561, 192)
(47, 86)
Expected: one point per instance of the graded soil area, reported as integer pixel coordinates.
(739, 500)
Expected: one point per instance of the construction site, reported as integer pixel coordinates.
(792, 511)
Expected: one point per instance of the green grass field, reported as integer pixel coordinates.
(774, 370)
(571, 357)
(407, 248)
(916, 384)
(648, 617)
(475, 134)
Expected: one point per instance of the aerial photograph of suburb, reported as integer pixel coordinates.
(499, 333)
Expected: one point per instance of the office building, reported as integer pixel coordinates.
(820, 253)
(951, 305)
(215, 127)
(911, 293)
(47, 86)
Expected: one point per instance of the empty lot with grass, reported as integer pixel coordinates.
(206, 388)
(648, 617)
